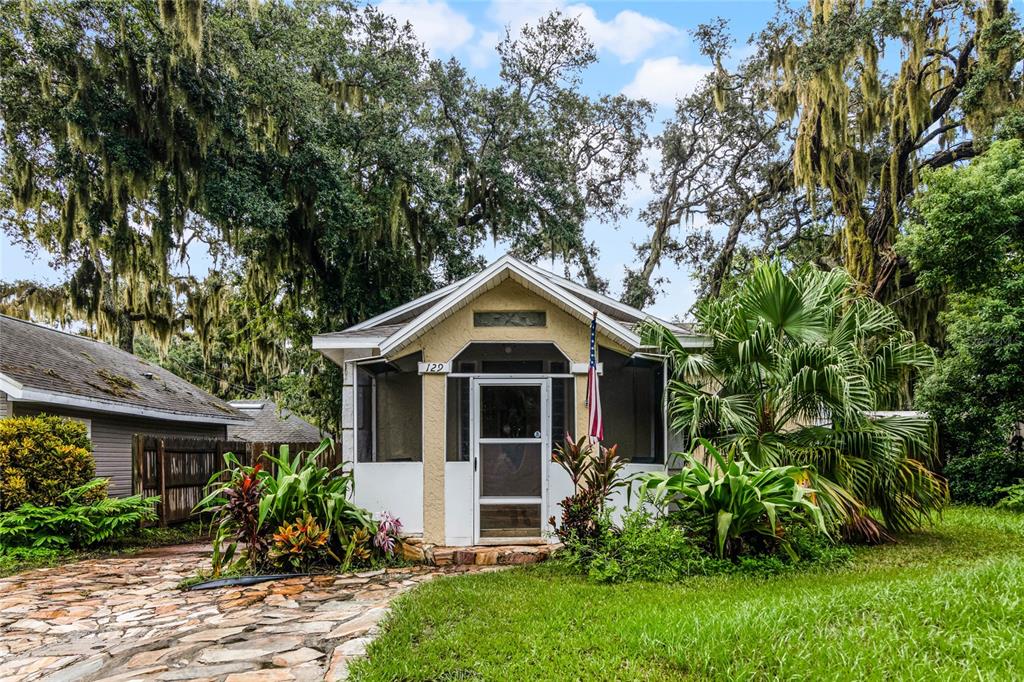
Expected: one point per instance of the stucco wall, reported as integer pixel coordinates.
(112, 438)
(445, 340)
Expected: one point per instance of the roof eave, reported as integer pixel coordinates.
(18, 393)
(327, 341)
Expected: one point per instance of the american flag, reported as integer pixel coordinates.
(595, 419)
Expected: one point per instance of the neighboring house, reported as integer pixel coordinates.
(115, 393)
(270, 425)
(452, 402)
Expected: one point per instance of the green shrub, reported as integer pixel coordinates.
(1013, 497)
(250, 503)
(976, 479)
(646, 550)
(660, 550)
(745, 505)
(78, 522)
(41, 458)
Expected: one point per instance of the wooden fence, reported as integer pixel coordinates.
(178, 469)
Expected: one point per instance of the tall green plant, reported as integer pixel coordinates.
(741, 498)
(797, 364)
(78, 520)
(299, 485)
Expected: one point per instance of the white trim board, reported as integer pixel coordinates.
(16, 392)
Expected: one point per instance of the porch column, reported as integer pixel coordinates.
(433, 457)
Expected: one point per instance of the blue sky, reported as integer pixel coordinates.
(644, 49)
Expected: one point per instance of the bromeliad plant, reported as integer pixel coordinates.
(741, 499)
(303, 544)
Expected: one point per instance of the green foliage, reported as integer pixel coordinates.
(250, 503)
(302, 544)
(332, 169)
(77, 522)
(300, 485)
(17, 559)
(741, 499)
(968, 231)
(41, 458)
(644, 549)
(968, 240)
(1013, 497)
(594, 479)
(978, 479)
(798, 361)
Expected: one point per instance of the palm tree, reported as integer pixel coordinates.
(797, 364)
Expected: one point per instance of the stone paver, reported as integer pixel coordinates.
(124, 619)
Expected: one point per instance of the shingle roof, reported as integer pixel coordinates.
(48, 365)
(271, 425)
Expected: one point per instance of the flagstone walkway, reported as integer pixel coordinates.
(125, 619)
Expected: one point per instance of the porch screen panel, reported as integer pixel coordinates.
(389, 413)
(631, 403)
(563, 409)
(457, 420)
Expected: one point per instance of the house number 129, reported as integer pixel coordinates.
(434, 367)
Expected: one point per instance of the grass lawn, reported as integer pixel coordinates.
(946, 603)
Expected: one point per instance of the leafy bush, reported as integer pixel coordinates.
(788, 345)
(77, 523)
(741, 500)
(976, 479)
(662, 550)
(249, 503)
(299, 485)
(645, 549)
(41, 458)
(1013, 497)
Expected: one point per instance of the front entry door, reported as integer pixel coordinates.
(511, 446)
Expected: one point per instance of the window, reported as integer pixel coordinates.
(510, 318)
(389, 414)
(631, 403)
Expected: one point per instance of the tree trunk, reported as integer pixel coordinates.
(724, 261)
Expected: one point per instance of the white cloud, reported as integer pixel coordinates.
(627, 36)
(441, 28)
(664, 80)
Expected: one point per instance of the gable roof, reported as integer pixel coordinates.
(271, 425)
(45, 365)
(389, 332)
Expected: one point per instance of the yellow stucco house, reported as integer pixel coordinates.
(453, 401)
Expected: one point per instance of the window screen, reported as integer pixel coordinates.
(389, 414)
(631, 403)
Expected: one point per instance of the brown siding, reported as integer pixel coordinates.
(5, 405)
(112, 438)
